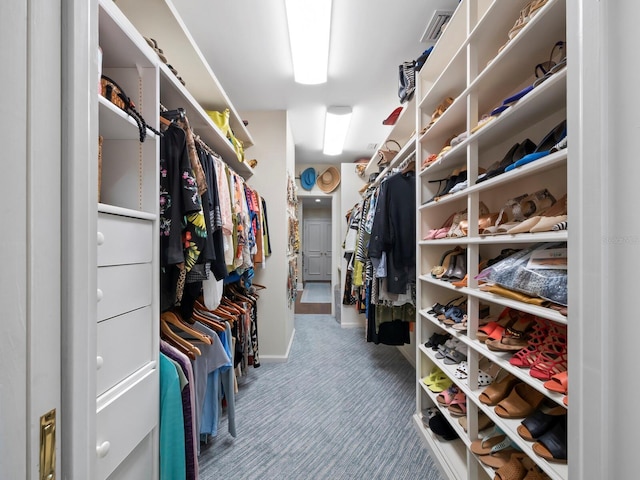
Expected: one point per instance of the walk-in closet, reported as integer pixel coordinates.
(199, 283)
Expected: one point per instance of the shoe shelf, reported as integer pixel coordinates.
(529, 110)
(514, 68)
(508, 425)
(479, 69)
(115, 123)
(452, 456)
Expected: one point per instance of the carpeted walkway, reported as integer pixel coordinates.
(339, 409)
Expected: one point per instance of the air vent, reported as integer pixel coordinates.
(434, 28)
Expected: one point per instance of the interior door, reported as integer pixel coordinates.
(30, 33)
(317, 250)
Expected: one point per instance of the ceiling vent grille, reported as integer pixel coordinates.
(434, 28)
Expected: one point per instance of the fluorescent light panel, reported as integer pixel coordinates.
(336, 126)
(309, 32)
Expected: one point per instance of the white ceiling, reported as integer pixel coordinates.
(246, 44)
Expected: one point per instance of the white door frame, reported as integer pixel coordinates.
(30, 32)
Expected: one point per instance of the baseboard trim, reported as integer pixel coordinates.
(352, 324)
(279, 358)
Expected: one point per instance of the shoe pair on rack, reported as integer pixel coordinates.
(453, 265)
(154, 45)
(519, 209)
(547, 427)
(530, 10)
(546, 352)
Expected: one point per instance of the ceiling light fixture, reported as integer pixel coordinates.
(309, 33)
(336, 126)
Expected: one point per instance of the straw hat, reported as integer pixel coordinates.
(308, 178)
(328, 180)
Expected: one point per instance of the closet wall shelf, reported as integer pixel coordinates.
(453, 454)
(125, 212)
(452, 120)
(556, 471)
(560, 236)
(160, 20)
(509, 426)
(515, 66)
(115, 123)
(497, 357)
(174, 95)
(530, 109)
(542, 312)
(126, 47)
(404, 129)
(554, 160)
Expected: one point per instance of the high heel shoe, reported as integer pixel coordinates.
(445, 262)
(458, 268)
(544, 147)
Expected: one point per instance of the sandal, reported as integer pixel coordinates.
(484, 422)
(521, 402)
(440, 384)
(514, 469)
(433, 377)
(527, 356)
(514, 336)
(558, 383)
(500, 454)
(540, 421)
(484, 445)
(552, 446)
(446, 397)
(495, 392)
(458, 406)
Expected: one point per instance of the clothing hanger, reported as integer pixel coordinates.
(175, 320)
(199, 304)
(177, 341)
(209, 322)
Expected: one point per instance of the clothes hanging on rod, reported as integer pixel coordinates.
(380, 250)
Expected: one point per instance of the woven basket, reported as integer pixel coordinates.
(110, 91)
(100, 139)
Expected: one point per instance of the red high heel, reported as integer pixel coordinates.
(553, 356)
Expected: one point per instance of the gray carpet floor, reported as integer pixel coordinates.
(340, 408)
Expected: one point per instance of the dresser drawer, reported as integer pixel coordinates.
(124, 288)
(124, 422)
(124, 346)
(123, 240)
(139, 465)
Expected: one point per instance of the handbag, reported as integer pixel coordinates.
(221, 120)
(115, 94)
(386, 154)
(406, 80)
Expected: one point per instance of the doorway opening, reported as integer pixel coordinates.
(316, 238)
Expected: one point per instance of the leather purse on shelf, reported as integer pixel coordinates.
(387, 154)
(116, 95)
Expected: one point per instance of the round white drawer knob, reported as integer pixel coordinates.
(99, 362)
(103, 449)
(100, 238)
(100, 294)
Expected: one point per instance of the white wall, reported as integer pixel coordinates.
(274, 151)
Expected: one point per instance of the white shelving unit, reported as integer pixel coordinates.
(470, 65)
(127, 333)
(160, 20)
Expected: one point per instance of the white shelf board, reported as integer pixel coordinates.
(160, 20)
(536, 310)
(115, 123)
(173, 95)
(121, 44)
(403, 129)
(530, 109)
(515, 65)
(125, 212)
(451, 456)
